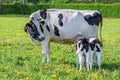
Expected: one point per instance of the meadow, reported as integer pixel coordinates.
(20, 60)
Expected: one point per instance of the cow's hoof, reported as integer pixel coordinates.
(44, 61)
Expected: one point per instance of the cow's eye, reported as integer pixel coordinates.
(42, 23)
(32, 18)
(30, 31)
(34, 29)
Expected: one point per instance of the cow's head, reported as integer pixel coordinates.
(34, 28)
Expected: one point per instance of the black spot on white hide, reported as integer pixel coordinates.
(56, 31)
(43, 13)
(60, 16)
(94, 19)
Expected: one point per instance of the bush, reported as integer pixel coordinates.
(107, 10)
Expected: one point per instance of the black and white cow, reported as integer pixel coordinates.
(87, 51)
(62, 26)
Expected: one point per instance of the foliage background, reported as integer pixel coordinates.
(59, 1)
(109, 9)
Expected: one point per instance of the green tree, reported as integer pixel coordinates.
(0, 6)
(24, 1)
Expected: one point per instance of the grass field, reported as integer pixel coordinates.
(20, 60)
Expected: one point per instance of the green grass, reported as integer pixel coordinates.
(19, 59)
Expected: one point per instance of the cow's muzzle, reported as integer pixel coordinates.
(41, 38)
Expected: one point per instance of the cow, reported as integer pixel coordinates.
(61, 26)
(88, 50)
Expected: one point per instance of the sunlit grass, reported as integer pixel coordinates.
(19, 59)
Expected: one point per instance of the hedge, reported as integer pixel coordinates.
(107, 10)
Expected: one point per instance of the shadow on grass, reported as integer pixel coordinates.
(109, 66)
(69, 63)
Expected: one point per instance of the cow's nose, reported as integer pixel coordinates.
(42, 38)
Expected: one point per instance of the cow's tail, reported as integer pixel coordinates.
(101, 29)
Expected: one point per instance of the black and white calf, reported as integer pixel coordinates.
(96, 50)
(83, 52)
(88, 50)
(61, 26)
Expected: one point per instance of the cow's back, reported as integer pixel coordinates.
(73, 23)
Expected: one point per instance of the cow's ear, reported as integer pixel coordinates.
(43, 13)
(26, 27)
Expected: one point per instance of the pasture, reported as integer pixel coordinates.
(20, 60)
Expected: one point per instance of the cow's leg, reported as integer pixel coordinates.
(45, 51)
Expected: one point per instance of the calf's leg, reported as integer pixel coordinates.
(80, 57)
(77, 60)
(87, 61)
(91, 58)
(98, 59)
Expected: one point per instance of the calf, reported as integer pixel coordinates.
(83, 51)
(96, 51)
(88, 49)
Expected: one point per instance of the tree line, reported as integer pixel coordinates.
(57, 1)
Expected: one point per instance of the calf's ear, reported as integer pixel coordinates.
(26, 26)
